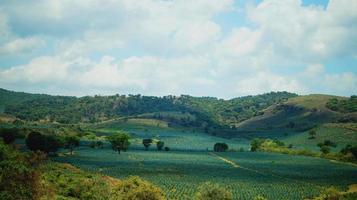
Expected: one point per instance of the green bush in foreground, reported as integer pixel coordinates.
(211, 191)
(135, 188)
(19, 179)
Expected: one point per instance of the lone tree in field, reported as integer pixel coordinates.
(220, 147)
(119, 141)
(70, 142)
(8, 135)
(160, 145)
(36, 141)
(147, 143)
(312, 134)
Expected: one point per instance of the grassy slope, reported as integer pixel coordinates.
(341, 134)
(304, 111)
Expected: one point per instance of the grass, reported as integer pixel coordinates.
(341, 134)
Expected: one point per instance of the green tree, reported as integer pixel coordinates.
(36, 141)
(8, 135)
(147, 143)
(325, 149)
(160, 145)
(70, 142)
(256, 143)
(220, 147)
(119, 141)
(211, 191)
(312, 134)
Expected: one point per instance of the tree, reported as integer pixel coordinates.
(147, 143)
(211, 191)
(220, 147)
(160, 145)
(312, 134)
(70, 142)
(255, 144)
(325, 149)
(119, 141)
(8, 135)
(36, 141)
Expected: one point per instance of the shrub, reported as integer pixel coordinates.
(135, 188)
(167, 148)
(18, 179)
(260, 198)
(211, 191)
(330, 193)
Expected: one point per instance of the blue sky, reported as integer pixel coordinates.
(221, 48)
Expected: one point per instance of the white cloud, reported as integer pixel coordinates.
(267, 81)
(173, 47)
(21, 45)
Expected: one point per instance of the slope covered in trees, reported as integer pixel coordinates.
(205, 112)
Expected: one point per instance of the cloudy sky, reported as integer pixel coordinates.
(220, 48)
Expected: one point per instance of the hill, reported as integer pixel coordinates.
(298, 114)
(208, 113)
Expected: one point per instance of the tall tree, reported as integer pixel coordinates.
(70, 142)
(119, 141)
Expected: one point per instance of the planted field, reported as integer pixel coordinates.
(179, 173)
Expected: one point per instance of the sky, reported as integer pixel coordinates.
(220, 48)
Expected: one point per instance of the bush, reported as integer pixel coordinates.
(211, 191)
(18, 178)
(167, 148)
(135, 188)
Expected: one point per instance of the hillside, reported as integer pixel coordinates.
(208, 113)
(297, 114)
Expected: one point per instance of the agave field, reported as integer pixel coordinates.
(246, 174)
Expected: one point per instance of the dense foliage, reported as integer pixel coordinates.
(345, 105)
(19, 178)
(211, 191)
(119, 141)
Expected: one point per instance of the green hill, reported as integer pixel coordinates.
(297, 114)
(215, 116)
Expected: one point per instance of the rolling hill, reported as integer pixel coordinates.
(277, 112)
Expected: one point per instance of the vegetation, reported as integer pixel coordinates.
(36, 141)
(220, 147)
(70, 142)
(147, 143)
(343, 105)
(211, 191)
(19, 177)
(215, 116)
(8, 135)
(160, 144)
(119, 141)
